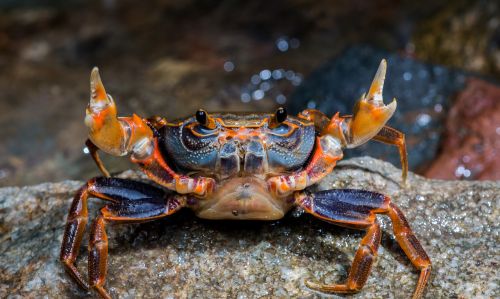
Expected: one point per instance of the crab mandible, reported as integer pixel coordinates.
(237, 166)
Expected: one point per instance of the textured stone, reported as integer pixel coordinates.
(184, 257)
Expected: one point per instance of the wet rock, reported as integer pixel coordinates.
(471, 145)
(456, 222)
(423, 92)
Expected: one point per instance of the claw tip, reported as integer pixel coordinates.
(375, 91)
(97, 91)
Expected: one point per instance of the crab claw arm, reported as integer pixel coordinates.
(370, 112)
(368, 121)
(117, 136)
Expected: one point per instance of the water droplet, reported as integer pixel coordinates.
(255, 79)
(280, 99)
(277, 74)
(311, 104)
(245, 97)
(423, 119)
(86, 150)
(3, 173)
(282, 44)
(228, 66)
(438, 108)
(297, 79)
(420, 197)
(461, 171)
(294, 43)
(258, 95)
(265, 74)
(265, 86)
(407, 76)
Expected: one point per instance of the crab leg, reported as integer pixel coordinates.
(95, 156)
(357, 209)
(129, 201)
(392, 136)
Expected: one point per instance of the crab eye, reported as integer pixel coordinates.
(204, 119)
(201, 117)
(280, 115)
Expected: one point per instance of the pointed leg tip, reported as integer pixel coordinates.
(313, 285)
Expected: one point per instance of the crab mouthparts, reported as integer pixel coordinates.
(244, 198)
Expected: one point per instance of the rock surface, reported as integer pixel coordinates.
(184, 257)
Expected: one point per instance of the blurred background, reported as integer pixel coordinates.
(169, 58)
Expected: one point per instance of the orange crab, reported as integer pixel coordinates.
(240, 167)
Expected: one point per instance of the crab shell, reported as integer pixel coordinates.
(241, 153)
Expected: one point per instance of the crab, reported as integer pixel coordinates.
(254, 166)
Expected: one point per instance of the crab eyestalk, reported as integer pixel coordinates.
(278, 117)
(204, 119)
(114, 135)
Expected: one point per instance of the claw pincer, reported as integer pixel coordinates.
(247, 166)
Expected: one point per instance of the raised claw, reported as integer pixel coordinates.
(114, 135)
(370, 112)
(105, 130)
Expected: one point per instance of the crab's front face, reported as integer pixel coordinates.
(240, 152)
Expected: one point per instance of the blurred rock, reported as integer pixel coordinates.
(471, 145)
(456, 222)
(462, 34)
(423, 92)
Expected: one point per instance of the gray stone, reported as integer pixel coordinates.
(184, 257)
